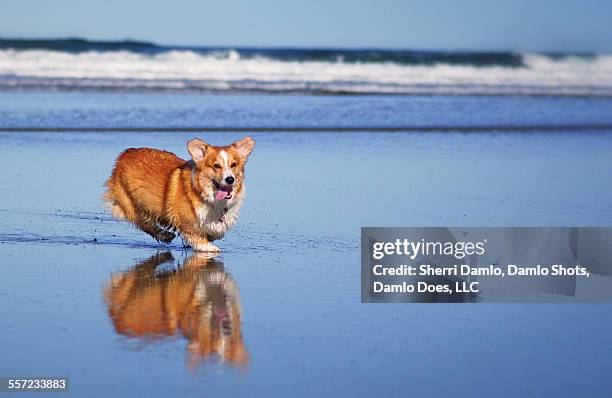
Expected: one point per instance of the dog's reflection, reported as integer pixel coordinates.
(197, 299)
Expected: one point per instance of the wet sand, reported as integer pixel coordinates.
(285, 292)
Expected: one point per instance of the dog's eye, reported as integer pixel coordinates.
(217, 166)
(233, 165)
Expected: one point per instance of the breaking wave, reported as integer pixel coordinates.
(77, 64)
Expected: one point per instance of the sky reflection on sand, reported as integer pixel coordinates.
(295, 257)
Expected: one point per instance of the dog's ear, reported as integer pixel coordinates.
(244, 147)
(197, 148)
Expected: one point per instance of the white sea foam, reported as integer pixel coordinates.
(227, 70)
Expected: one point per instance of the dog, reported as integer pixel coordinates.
(162, 194)
(198, 300)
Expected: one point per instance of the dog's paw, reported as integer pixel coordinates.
(208, 248)
(165, 236)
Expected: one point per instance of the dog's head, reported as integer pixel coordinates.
(219, 170)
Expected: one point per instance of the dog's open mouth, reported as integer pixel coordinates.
(223, 193)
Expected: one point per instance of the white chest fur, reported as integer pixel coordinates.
(217, 218)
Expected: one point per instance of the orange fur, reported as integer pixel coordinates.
(199, 300)
(160, 193)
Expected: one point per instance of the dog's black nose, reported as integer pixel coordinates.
(229, 180)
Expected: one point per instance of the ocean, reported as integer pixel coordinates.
(77, 64)
(345, 139)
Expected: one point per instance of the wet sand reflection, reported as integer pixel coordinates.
(197, 299)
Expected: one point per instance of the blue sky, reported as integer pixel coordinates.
(543, 25)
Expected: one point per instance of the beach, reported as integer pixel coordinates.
(294, 257)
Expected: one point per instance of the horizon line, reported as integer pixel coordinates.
(161, 45)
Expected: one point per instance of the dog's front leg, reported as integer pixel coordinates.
(199, 242)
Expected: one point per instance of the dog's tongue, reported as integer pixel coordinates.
(222, 194)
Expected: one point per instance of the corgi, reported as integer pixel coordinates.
(161, 193)
(197, 300)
